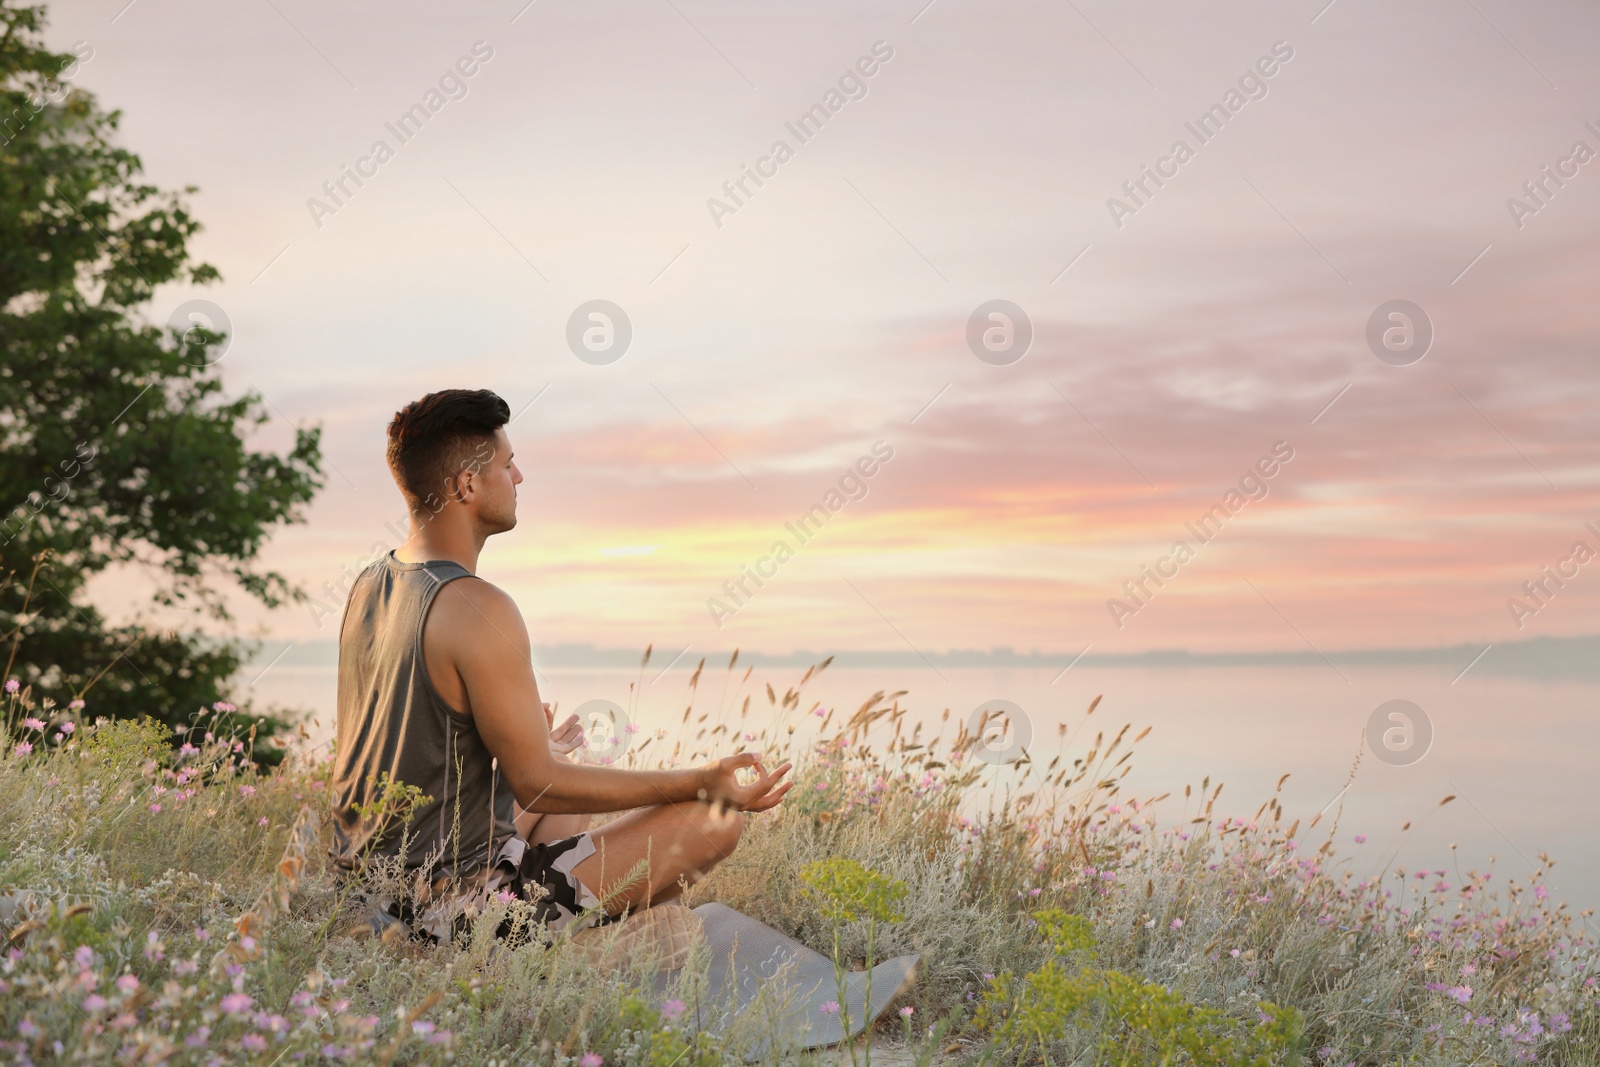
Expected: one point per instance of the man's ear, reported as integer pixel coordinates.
(462, 485)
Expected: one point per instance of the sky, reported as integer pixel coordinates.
(1185, 336)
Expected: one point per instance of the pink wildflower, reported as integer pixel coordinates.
(907, 1012)
(22, 749)
(830, 1008)
(590, 1059)
(672, 1009)
(12, 685)
(33, 724)
(237, 1003)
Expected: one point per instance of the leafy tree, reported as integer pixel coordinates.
(117, 444)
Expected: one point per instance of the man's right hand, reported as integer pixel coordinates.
(720, 783)
(566, 738)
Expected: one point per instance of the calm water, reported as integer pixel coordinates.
(1516, 752)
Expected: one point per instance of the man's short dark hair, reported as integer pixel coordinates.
(436, 438)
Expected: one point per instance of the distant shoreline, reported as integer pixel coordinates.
(1540, 657)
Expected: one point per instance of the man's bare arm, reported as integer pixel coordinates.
(480, 632)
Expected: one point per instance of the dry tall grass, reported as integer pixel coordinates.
(175, 906)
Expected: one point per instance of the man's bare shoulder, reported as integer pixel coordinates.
(475, 616)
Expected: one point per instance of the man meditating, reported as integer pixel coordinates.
(437, 691)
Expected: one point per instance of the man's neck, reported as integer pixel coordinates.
(439, 537)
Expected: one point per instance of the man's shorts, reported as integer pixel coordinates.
(540, 873)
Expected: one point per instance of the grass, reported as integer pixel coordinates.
(175, 906)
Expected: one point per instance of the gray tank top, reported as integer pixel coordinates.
(392, 720)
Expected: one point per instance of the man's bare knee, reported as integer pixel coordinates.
(721, 826)
(729, 827)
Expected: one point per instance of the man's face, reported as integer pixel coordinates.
(494, 488)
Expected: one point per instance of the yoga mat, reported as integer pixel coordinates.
(747, 955)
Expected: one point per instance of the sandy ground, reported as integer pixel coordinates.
(892, 1054)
